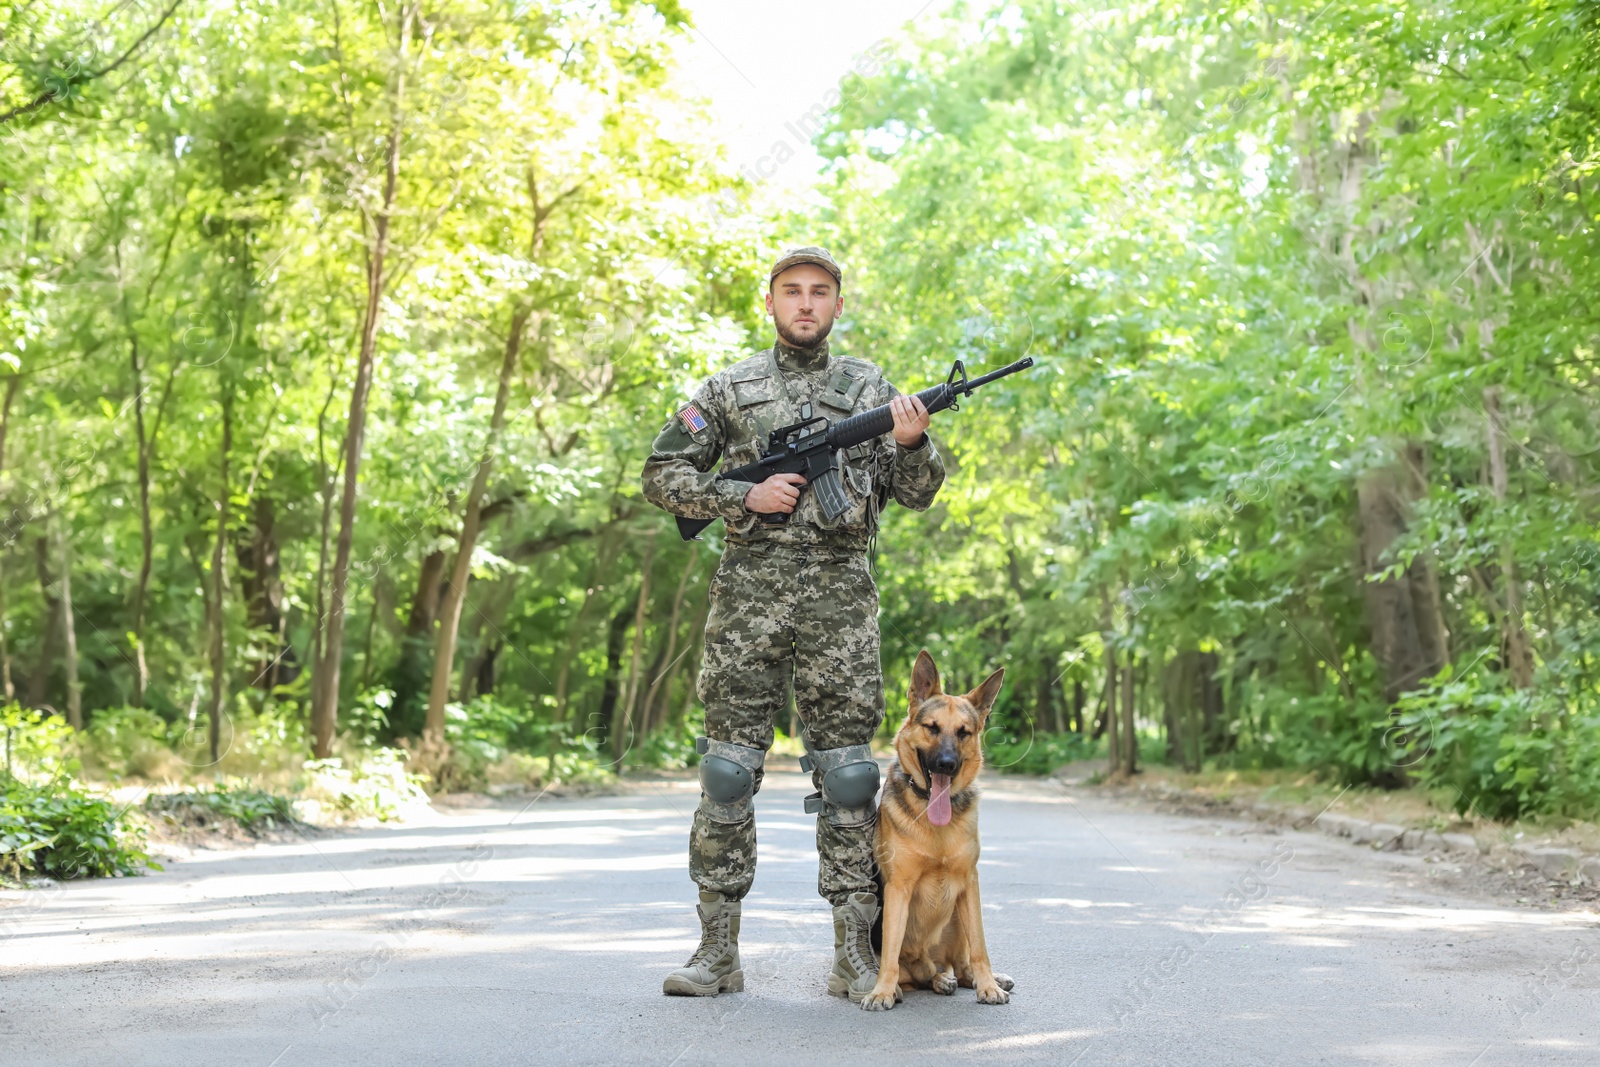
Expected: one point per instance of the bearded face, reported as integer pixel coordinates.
(804, 302)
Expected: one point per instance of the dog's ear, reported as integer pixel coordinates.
(924, 680)
(982, 698)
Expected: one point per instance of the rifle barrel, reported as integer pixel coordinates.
(1022, 364)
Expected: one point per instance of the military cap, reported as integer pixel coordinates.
(808, 254)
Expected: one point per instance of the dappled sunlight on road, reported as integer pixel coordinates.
(501, 914)
(1288, 917)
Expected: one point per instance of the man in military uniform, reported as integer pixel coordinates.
(792, 601)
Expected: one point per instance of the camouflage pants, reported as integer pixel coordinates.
(783, 615)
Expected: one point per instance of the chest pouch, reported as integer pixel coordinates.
(756, 413)
(843, 388)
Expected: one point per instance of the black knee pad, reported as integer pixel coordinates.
(849, 784)
(727, 779)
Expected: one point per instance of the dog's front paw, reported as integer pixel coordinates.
(944, 983)
(993, 994)
(1004, 982)
(879, 1000)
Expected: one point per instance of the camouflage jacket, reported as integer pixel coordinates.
(729, 418)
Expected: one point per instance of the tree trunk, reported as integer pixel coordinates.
(219, 586)
(1112, 725)
(1516, 648)
(608, 690)
(1192, 699)
(261, 582)
(412, 673)
(5, 642)
(144, 443)
(1130, 735)
(373, 613)
(1198, 724)
(668, 654)
(486, 641)
(454, 593)
(1079, 701)
(325, 480)
(1423, 574)
(641, 706)
(602, 563)
(623, 739)
(663, 714)
(146, 458)
(1046, 712)
(484, 676)
(69, 630)
(325, 683)
(425, 604)
(50, 618)
(1406, 642)
(1213, 726)
(141, 674)
(1176, 696)
(1392, 616)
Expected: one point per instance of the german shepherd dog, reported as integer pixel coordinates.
(927, 848)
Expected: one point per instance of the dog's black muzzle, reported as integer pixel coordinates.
(945, 760)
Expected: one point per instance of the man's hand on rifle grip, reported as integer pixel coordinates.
(777, 495)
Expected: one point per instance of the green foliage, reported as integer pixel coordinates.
(1308, 286)
(1037, 753)
(366, 720)
(1323, 731)
(124, 742)
(48, 824)
(60, 831)
(495, 744)
(1502, 754)
(1314, 397)
(252, 809)
(380, 787)
(181, 243)
(671, 747)
(38, 744)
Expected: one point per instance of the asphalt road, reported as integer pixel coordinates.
(514, 934)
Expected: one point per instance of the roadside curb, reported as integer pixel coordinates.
(1557, 864)
(1565, 866)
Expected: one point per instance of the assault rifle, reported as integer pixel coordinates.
(811, 448)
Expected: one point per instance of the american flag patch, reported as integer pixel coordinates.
(693, 421)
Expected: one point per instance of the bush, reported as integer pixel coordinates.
(254, 810)
(1503, 752)
(366, 721)
(378, 788)
(493, 743)
(127, 742)
(1326, 732)
(1032, 752)
(59, 831)
(124, 742)
(671, 746)
(38, 744)
(480, 734)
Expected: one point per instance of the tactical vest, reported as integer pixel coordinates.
(761, 398)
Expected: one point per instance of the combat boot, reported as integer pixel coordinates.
(714, 968)
(855, 965)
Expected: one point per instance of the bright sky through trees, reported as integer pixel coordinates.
(762, 65)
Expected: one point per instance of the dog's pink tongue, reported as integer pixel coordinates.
(939, 799)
